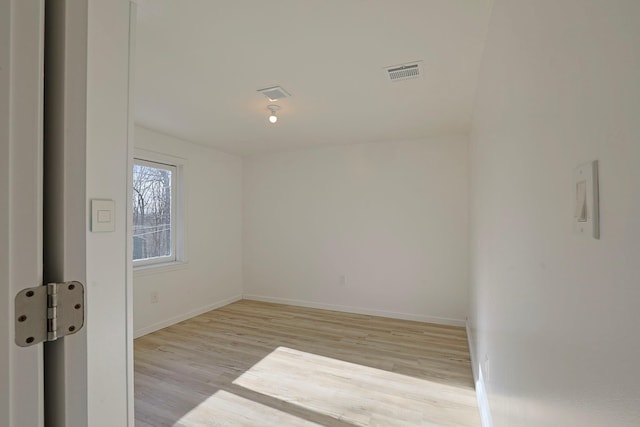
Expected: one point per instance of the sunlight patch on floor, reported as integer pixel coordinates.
(227, 409)
(358, 394)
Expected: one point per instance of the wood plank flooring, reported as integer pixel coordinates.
(260, 364)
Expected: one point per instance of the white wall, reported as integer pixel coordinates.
(211, 276)
(392, 218)
(106, 177)
(556, 314)
(106, 159)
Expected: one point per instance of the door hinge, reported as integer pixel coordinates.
(46, 313)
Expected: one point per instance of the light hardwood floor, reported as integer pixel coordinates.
(259, 364)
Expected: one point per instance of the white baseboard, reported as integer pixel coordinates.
(357, 310)
(177, 319)
(478, 378)
(472, 352)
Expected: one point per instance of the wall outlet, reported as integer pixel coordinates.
(154, 297)
(343, 280)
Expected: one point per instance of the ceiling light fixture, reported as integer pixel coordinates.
(273, 108)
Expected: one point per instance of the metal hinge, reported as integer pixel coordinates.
(46, 313)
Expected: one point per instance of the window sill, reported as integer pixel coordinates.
(150, 269)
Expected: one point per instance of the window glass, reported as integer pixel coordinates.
(153, 212)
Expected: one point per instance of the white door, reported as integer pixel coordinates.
(84, 379)
(21, 95)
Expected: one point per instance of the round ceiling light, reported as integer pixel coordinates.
(272, 116)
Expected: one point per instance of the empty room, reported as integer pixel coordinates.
(301, 169)
(355, 186)
(321, 212)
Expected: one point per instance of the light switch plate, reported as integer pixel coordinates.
(103, 218)
(586, 175)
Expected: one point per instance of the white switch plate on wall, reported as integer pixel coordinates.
(586, 212)
(103, 216)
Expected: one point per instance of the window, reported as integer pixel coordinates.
(154, 212)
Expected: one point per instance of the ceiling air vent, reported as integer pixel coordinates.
(274, 93)
(397, 73)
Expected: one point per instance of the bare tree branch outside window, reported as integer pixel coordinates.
(152, 229)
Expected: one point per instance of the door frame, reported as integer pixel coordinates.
(98, 359)
(98, 102)
(109, 346)
(133, 17)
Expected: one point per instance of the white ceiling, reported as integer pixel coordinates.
(200, 62)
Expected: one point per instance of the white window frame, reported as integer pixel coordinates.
(162, 163)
